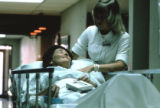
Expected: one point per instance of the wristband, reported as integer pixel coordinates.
(96, 67)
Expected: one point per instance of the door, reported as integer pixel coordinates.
(1, 71)
(5, 65)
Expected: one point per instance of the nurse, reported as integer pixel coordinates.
(106, 42)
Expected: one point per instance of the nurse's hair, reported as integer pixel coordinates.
(48, 56)
(110, 10)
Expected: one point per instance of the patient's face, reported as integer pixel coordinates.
(61, 58)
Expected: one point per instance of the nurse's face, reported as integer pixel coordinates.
(61, 58)
(102, 24)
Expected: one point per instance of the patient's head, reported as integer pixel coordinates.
(57, 56)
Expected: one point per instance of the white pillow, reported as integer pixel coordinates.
(32, 65)
(76, 64)
(81, 63)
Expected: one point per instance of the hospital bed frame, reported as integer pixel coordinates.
(27, 72)
(148, 73)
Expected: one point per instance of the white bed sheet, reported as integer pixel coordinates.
(60, 77)
(121, 91)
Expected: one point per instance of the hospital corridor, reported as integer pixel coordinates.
(79, 53)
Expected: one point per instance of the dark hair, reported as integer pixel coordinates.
(48, 56)
(110, 11)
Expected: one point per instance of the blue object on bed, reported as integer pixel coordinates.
(53, 100)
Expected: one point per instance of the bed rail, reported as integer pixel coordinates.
(149, 73)
(27, 72)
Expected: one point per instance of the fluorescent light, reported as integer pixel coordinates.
(23, 1)
(5, 47)
(2, 35)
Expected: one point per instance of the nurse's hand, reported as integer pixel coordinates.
(87, 69)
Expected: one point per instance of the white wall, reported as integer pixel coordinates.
(73, 20)
(30, 50)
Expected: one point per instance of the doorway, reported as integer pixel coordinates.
(5, 66)
(1, 71)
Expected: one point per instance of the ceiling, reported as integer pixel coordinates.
(47, 7)
(19, 17)
(23, 18)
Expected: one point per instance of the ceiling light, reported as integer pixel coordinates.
(42, 28)
(2, 35)
(33, 34)
(5, 47)
(23, 1)
(37, 31)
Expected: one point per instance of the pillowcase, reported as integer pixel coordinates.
(76, 64)
(32, 65)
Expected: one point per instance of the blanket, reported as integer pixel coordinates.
(121, 91)
(60, 77)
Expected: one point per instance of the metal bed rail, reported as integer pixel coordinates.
(27, 72)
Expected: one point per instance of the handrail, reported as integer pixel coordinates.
(140, 71)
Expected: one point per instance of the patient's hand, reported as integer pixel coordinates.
(86, 79)
(87, 69)
(54, 91)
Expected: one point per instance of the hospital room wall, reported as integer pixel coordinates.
(30, 50)
(73, 20)
(24, 50)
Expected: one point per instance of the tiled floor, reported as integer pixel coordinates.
(5, 103)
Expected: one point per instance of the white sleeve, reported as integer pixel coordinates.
(123, 50)
(81, 45)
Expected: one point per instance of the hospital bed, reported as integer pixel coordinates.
(114, 78)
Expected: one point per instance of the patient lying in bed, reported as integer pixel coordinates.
(60, 59)
(122, 91)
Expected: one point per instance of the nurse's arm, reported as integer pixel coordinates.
(116, 66)
(104, 68)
